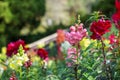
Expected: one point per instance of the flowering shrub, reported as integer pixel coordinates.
(18, 60)
(88, 54)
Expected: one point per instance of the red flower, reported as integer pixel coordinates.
(116, 16)
(12, 47)
(117, 5)
(42, 53)
(28, 63)
(100, 27)
(112, 39)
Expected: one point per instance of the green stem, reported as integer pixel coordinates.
(103, 52)
(104, 62)
(77, 52)
(20, 71)
(27, 73)
(119, 43)
(76, 65)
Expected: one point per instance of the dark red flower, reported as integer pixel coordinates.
(12, 47)
(13, 77)
(42, 53)
(100, 27)
(28, 63)
(116, 16)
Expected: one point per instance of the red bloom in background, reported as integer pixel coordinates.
(12, 47)
(116, 16)
(117, 5)
(112, 39)
(42, 53)
(116, 19)
(100, 27)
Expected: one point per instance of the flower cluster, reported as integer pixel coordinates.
(116, 16)
(70, 52)
(76, 34)
(18, 60)
(12, 47)
(71, 55)
(100, 27)
(42, 53)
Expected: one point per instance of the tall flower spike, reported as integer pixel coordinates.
(79, 21)
(21, 50)
(76, 34)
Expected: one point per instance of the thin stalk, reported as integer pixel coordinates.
(76, 70)
(27, 73)
(76, 65)
(119, 43)
(103, 52)
(109, 77)
(20, 72)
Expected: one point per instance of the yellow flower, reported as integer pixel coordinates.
(19, 62)
(3, 50)
(106, 42)
(94, 42)
(41, 45)
(13, 65)
(25, 58)
(85, 43)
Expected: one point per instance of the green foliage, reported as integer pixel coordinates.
(5, 12)
(94, 59)
(16, 14)
(105, 6)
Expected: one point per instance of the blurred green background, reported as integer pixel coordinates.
(31, 20)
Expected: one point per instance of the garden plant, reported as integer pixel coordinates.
(91, 53)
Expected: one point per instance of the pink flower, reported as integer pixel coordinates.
(76, 34)
(72, 28)
(71, 54)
